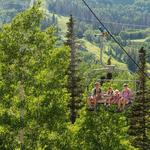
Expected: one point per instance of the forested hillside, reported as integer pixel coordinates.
(55, 91)
(129, 20)
(121, 11)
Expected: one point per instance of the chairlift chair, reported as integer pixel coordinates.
(110, 69)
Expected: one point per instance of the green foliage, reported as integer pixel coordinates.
(131, 66)
(101, 130)
(33, 79)
(30, 57)
(74, 80)
(8, 9)
(89, 35)
(134, 34)
(139, 114)
(124, 11)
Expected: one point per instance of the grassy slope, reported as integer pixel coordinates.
(138, 41)
(61, 22)
(89, 46)
(96, 50)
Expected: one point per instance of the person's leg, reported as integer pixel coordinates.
(98, 98)
(119, 103)
(108, 101)
(112, 100)
(95, 102)
(89, 101)
(123, 103)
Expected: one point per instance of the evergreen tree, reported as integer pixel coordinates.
(54, 20)
(74, 80)
(139, 116)
(131, 65)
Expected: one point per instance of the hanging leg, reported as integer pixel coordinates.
(123, 103)
(119, 102)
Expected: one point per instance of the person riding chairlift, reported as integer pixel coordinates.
(97, 92)
(91, 102)
(116, 97)
(126, 97)
(110, 94)
(104, 33)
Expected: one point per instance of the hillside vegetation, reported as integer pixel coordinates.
(49, 63)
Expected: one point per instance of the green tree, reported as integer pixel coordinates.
(131, 65)
(32, 90)
(101, 130)
(139, 115)
(74, 80)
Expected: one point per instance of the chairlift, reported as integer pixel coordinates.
(110, 69)
(134, 91)
(104, 33)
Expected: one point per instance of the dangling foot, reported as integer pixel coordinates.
(118, 110)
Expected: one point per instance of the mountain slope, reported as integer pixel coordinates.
(90, 47)
(109, 10)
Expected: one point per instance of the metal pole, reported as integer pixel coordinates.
(101, 54)
(101, 51)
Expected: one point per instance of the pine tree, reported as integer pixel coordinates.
(74, 80)
(131, 65)
(54, 20)
(139, 115)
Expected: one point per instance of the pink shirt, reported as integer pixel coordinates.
(126, 94)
